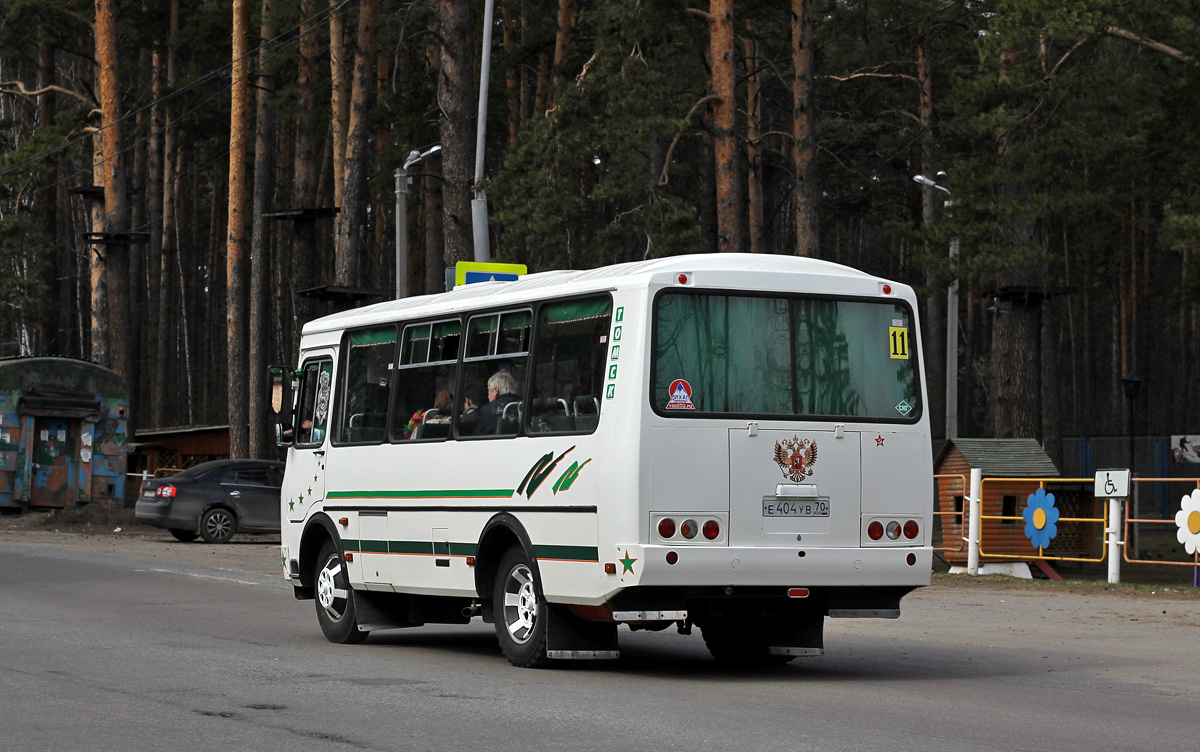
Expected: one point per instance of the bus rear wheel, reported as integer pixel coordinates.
(521, 611)
(335, 598)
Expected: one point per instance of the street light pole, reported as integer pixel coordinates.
(402, 183)
(951, 323)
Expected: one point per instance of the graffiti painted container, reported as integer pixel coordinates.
(63, 426)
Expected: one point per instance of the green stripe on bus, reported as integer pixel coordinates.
(571, 553)
(350, 544)
(373, 546)
(485, 493)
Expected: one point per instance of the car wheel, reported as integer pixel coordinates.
(218, 525)
(186, 536)
(520, 610)
(335, 598)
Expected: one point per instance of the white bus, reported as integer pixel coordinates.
(736, 442)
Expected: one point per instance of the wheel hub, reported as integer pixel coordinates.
(325, 588)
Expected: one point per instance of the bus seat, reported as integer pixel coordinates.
(586, 422)
(510, 419)
(586, 405)
(432, 431)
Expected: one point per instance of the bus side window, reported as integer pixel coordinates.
(313, 415)
(366, 382)
(495, 371)
(569, 363)
(425, 381)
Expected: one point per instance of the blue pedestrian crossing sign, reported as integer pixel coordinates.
(468, 272)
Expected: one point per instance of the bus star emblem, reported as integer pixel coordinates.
(627, 563)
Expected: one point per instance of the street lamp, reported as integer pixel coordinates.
(402, 181)
(951, 322)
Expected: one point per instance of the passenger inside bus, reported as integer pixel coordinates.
(501, 390)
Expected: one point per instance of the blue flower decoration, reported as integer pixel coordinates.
(1040, 518)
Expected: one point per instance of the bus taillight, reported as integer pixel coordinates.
(711, 529)
(875, 530)
(666, 527)
(911, 529)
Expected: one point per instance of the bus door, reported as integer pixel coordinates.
(789, 488)
(305, 486)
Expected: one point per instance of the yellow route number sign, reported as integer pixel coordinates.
(898, 337)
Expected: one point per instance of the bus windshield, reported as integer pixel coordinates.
(784, 356)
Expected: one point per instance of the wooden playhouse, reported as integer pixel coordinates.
(1014, 459)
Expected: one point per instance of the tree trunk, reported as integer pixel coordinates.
(435, 262)
(340, 101)
(725, 145)
(235, 258)
(803, 117)
(304, 193)
(562, 48)
(511, 87)
(260, 245)
(155, 368)
(353, 228)
(934, 323)
(170, 240)
(754, 149)
(456, 95)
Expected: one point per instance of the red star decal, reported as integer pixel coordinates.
(879, 440)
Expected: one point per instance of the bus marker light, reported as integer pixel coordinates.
(911, 529)
(470, 561)
(688, 529)
(711, 529)
(912, 559)
(672, 558)
(666, 527)
(875, 530)
(887, 289)
(343, 521)
(798, 592)
(683, 279)
(610, 567)
(349, 557)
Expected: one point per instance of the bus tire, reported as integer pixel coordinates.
(520, 611)
(733, 643)
(335, 598)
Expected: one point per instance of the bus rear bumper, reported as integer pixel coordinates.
(639, 565)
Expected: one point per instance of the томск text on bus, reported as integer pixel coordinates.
(732, 442)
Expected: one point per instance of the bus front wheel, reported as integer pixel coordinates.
(335, 598)
(521, 612)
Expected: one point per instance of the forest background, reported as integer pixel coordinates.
(169, 174)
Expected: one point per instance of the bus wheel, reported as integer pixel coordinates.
(335, 598)
(520, 610)
(734, 643)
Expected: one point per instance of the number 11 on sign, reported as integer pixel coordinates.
(899, 340)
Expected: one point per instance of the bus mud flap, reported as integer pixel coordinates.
(376, 611)
(801, 636)
(570, 638)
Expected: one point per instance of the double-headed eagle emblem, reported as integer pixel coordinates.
(796, 457)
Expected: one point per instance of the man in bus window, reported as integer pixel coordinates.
(501, 389)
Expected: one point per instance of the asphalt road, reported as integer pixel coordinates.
(101, 650)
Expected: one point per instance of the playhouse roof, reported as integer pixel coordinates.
(1009, 458)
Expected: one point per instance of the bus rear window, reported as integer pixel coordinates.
(783, 356)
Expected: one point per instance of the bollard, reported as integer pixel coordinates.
(1114, 543)
(976, 506)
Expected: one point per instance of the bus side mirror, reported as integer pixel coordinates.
(280, 382)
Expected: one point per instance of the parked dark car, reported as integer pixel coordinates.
(214, 500)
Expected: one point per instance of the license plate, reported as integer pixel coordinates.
(795, 508)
